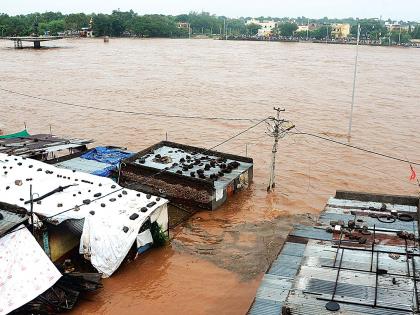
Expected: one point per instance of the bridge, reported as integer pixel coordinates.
(34, 39)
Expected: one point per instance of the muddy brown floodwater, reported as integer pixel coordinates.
(216, 259)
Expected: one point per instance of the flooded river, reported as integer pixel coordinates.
(216, 259)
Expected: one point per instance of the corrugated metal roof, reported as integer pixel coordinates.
(356, 204)
(312, 232)
(337, 214)
(293, 249)
(315, 272)
(300, 303)
(39, 144)
(277, 281)
(265, 307)
(9, 220)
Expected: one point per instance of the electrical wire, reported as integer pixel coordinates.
(354, 147)
(127, 111)
(215, 146)
(150, 176)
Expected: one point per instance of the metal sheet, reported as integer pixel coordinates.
(83, 165)
(356, 204)
(317, 233)
(9, 220)
(328, 216)
(313, 272)
(265, 307)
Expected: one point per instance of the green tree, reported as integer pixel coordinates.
(416, 32)
(76, 21)
(253, 28)
(287, 29)
(121, 21)
(156, 26)
(320, 33)
(19, 25)
(369, 29)
(403, 37)
(102, 25)
(53, 27)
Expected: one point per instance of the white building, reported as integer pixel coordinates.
(396, 27)
(266, 27)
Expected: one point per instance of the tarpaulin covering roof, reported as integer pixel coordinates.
(23, 133)
(25, 270)
(99, 161)
(112, 215)
(106, 155)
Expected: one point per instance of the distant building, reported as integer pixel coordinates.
(266, 29)
(183, 25)
(340, 30)
(87, 31)
(396, 27)
(307, 27)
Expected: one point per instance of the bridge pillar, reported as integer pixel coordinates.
(37, 44)
(18, 43)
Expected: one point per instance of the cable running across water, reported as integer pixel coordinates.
(354, 147)
(127, 111)
(151, 176)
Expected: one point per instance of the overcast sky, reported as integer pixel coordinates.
(401, 9)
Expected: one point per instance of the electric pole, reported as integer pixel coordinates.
(277, 128)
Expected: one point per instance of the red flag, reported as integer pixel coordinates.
(413, 173)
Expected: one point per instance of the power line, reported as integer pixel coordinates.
(355, 147)
(148, 177)
(217, 145)
(127, 111)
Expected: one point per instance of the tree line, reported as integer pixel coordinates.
(120, 23)
(129, 23)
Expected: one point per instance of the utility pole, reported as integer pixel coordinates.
(399, 37)
(277, 130)
(307, 31)
(354, 82)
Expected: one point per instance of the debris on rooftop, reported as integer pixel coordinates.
(187, 175)
(361, 257)
(41, 146)
(107, 216)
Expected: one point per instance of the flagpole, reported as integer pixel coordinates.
(354, 81)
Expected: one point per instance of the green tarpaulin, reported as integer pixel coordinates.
(23, 133)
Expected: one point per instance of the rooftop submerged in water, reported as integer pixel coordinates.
(187, 175)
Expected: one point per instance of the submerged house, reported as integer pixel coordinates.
(187, 175)
(361, 257)
(41, 147)
(101, 161)
(72, 208)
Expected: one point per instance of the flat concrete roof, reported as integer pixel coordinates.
(193, 164)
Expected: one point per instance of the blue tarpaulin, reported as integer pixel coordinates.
(112, 157)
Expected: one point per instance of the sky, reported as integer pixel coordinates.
(396, 10)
